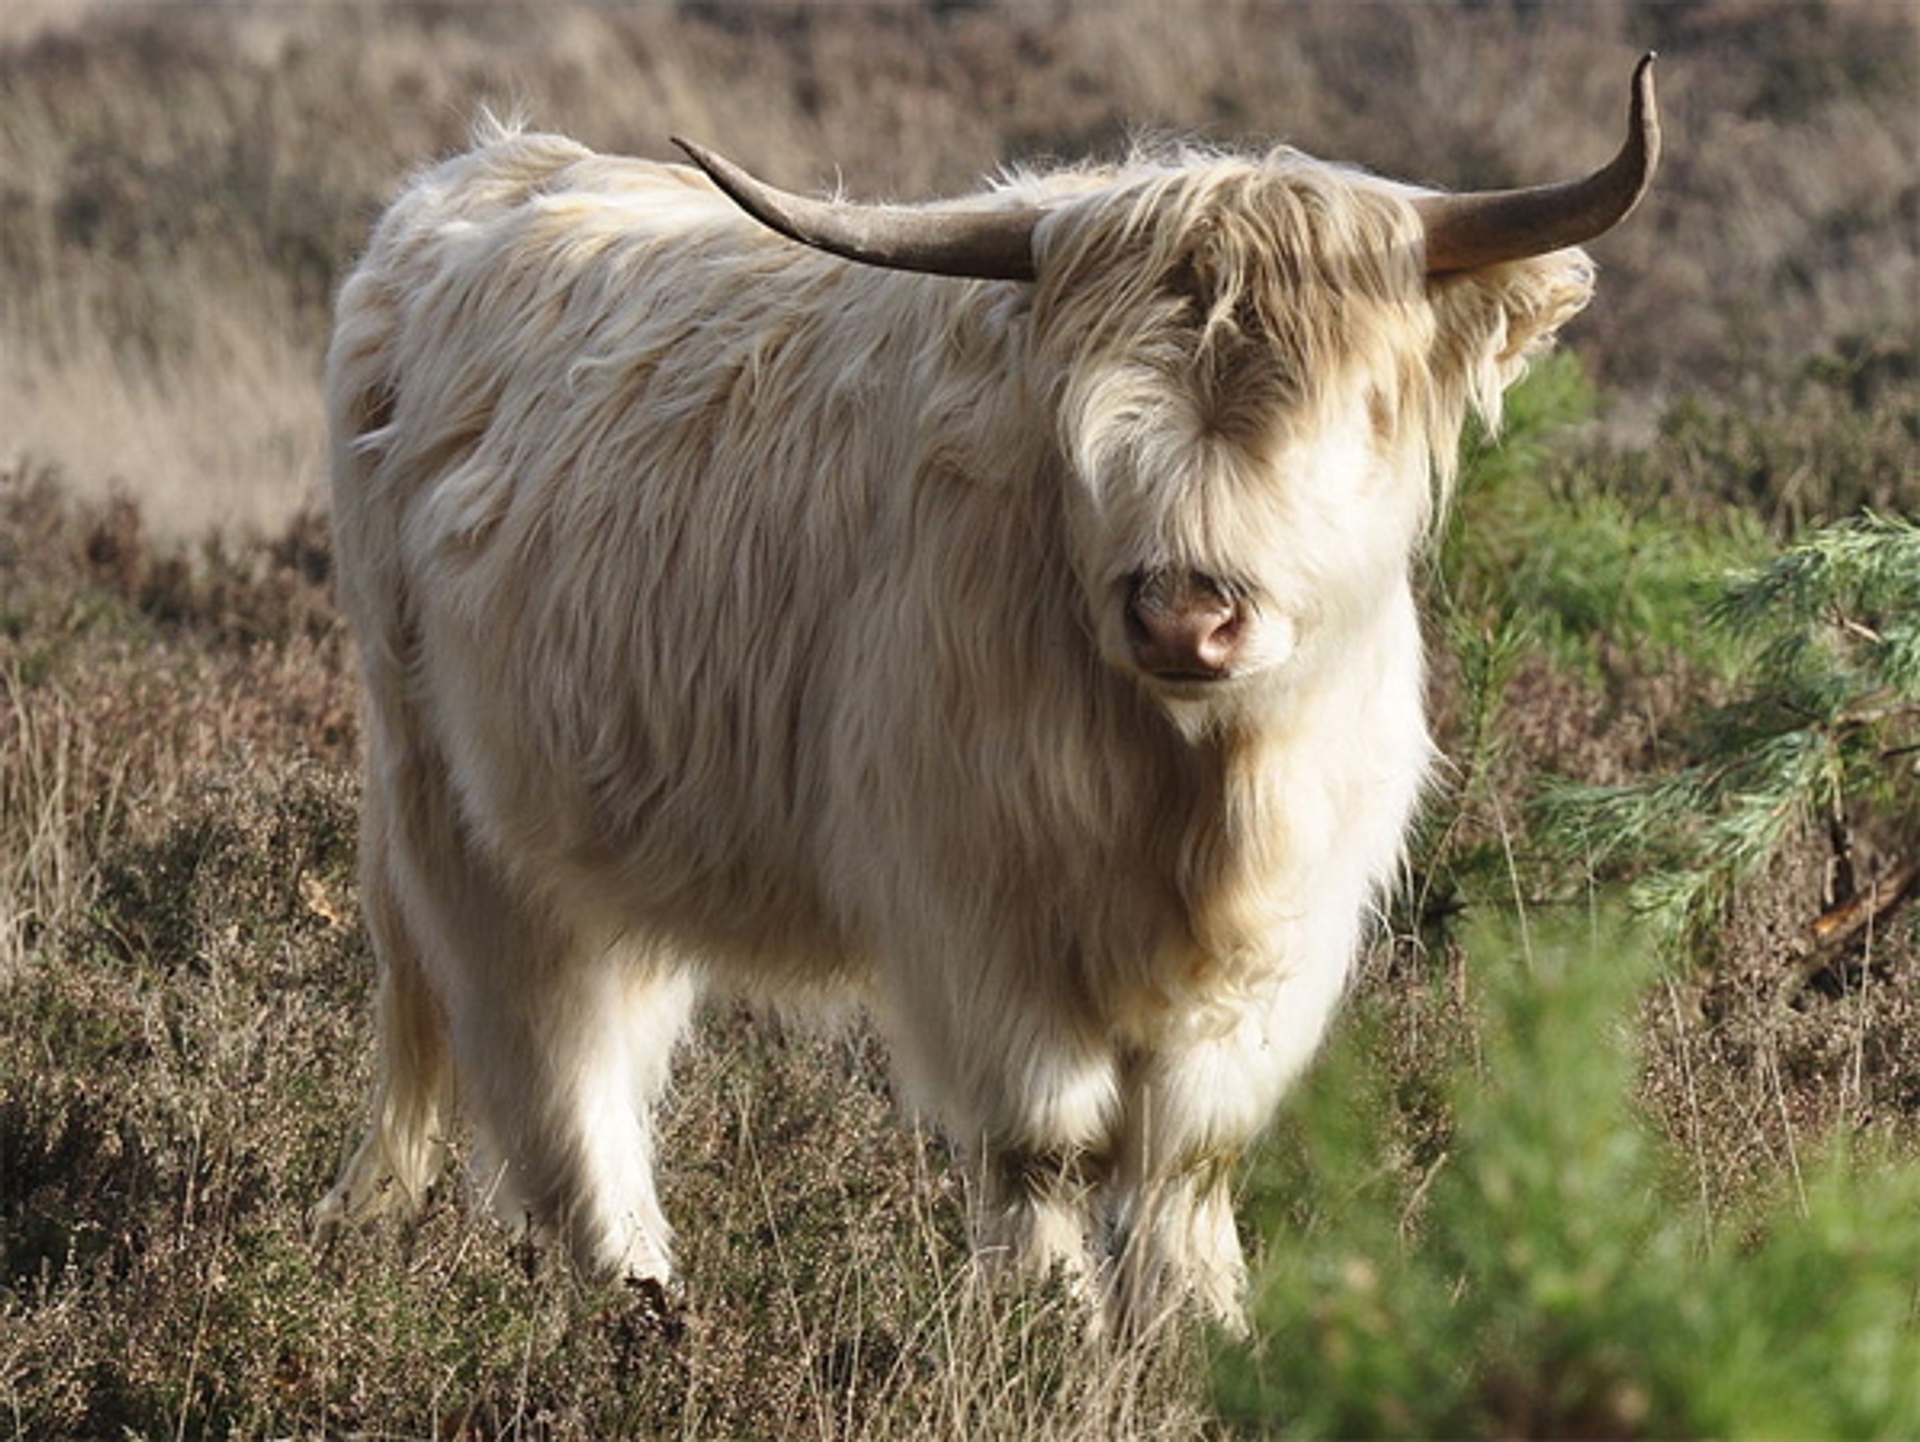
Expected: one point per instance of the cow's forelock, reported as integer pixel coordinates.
(1241, 411)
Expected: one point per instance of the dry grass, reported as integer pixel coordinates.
(228, 438)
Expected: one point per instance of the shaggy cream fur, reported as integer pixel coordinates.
(732, 615)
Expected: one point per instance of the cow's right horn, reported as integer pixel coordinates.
(1465, 232)
(978, 244)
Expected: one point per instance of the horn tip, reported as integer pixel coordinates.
(1645, 118)
(692, 149)
(1643, 77)
(725, 174)
(1643, 101)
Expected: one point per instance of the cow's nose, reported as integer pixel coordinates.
(1183, 626)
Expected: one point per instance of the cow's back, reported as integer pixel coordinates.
(598, 541)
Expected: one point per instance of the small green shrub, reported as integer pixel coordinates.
(1551, 546)
(1535, 1278)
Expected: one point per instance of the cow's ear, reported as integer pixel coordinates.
(1489, 322)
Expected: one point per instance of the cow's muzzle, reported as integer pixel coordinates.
(1185, 626)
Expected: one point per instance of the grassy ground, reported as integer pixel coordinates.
(184, 986)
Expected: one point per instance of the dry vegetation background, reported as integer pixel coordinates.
(183, 984)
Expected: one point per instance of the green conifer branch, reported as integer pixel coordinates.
(1831, 698)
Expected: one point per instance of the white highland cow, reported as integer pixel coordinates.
(997, 612)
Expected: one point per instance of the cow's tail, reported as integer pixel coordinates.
(404, 1149)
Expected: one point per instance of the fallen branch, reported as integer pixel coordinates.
(1834, 928)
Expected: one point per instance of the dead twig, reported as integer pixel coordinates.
(1837, 926)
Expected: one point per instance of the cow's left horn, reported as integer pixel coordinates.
(1465, 232)
(979, 244)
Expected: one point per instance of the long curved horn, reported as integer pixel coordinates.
(1465, 232)
(977, 244)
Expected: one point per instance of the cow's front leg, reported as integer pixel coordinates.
(1191, 1110)
(1041, 1132)
(1028, 1092)
(1033, 1213)
(1174, 1245)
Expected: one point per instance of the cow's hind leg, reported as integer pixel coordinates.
(564, 1064)
(557, 1044)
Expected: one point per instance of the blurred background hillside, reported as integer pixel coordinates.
(183, 184)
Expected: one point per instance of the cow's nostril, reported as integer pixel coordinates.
(1184, 626)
